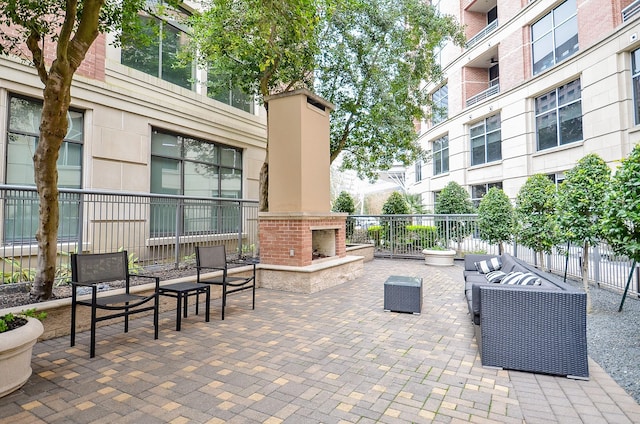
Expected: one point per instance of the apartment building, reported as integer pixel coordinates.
(139, 122)
(538, 85)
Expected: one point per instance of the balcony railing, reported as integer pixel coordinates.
(491, 91)
(483, 33)
(159, 230)
(630, 11)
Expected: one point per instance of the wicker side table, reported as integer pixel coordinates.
(403, 294)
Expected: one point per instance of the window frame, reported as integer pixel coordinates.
(485, 187)
(484, 123)
(441, 161)
(217, 217)
(440, 108)
(635, 83)
(24, 212)
(557, 109)
(554, 27)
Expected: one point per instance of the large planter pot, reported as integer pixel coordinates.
(15, 355)
(438, 257)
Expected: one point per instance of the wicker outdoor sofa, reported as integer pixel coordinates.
(537, 328)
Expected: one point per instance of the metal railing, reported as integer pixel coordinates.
(157, 230)
(483, 33)
(630, 11)
(491, 91)
(405, 236)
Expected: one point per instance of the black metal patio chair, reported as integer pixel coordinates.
(91, 270)
(212, 258)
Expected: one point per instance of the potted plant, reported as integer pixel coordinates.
(18, 334)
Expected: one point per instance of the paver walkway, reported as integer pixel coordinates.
(330, 357)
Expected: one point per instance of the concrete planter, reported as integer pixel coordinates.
(438, 257)
(15, 355)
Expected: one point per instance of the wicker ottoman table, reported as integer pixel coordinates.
(403, 294)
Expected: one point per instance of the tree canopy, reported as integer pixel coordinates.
(621, 218)
(495, 217)
(535, 214)
(369, 58)
(343, 203)
(375, 57)
(580, 207)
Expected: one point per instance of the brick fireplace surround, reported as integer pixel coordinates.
(287, 238)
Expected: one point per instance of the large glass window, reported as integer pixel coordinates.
(196, 168)
(554, 37)
(440, 99)
(440, 152)
(155, 51)
(229, 95)
(559, 116)
(635, 75)
(486, 141)
(418, 171)
(478, 191)
(20, 208)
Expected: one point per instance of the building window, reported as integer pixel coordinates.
(559, 116)
(21, 208)
(486, 141)
(635, 75)
(478, 191)
(556, 178)
(440, 152)
(200, 169)
(155, 52)
(418, 171)
(228, 95)
(440, 99)
(555, 37)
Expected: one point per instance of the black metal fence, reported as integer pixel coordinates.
(405, 236)
(156, 230)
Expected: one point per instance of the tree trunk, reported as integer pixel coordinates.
(264, 185)
(500, 248)
(53, 127)
(585, 274)
(541, 260)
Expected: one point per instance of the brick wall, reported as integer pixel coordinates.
(280, 235)
(93, 65)
(475, 80)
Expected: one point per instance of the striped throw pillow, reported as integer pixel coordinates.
(529, 279)
(512, 278)
(489, 265)
(495, 276)
(521, 278)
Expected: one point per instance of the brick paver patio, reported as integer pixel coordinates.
(329, 357)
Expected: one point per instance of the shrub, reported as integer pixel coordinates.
(422, 236)
(376, 233)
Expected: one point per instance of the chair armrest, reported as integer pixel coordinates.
(75, 283)
(157, 279)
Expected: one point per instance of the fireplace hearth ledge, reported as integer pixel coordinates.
(320, 275)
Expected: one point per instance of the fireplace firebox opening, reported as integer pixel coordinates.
(323, 243)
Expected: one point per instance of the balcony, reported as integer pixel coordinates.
(483, 33)
(491, 91)
(630, 11)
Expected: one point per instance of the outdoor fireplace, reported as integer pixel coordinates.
(302, 243)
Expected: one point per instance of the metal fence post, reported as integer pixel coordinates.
(179, 208)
